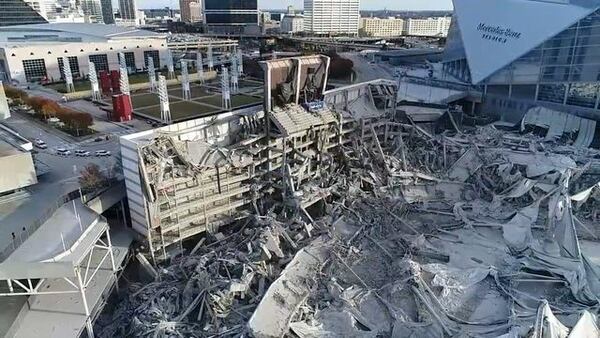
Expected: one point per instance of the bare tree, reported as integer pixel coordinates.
(91, 178)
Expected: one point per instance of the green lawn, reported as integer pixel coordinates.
(196, 92)
(180, 110)
(246, 83)
(144, 100)
(80, 86)
(236, 100)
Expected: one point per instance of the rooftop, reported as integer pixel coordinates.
(70, 32)
(11, 143)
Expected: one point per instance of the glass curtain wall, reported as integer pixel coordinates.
(566, 67)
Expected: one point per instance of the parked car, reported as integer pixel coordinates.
(82, 153)
(63, 152)
(40, 144)
(98, 139)
(102, 153)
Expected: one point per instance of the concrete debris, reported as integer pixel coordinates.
(472, 249)
(393, 231)
(212, 291)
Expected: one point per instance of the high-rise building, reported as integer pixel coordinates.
(231, 16)
(525, 54)
(108, 14)
(17, 12)
(331, 17)
(63, 11)
(92, 10)
(196, 11)
(191, 10)
(128, 10)
(379, 27)
(292, 24)
(427, 26)
(184, 7)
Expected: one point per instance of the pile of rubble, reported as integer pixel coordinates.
(482, 233)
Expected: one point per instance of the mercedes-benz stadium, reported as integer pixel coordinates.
(525, 53)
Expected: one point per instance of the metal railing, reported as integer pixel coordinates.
(26, 231)
(439, 83)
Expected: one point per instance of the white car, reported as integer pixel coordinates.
(40, 144)
(102, 153)
(63, 152)
(82, 153)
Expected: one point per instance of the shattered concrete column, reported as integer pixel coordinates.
(151, 74)
(4, 109)
(163, 94)
(185, 81)
(68, 75)
(225, 90)
(170, 65)
(93, 75)
(200, 66)
(211, 64)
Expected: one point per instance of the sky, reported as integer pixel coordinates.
(365, 4)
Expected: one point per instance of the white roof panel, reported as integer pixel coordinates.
(497, 32)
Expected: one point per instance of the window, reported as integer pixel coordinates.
(129, 61)
(526, 92)
(582, 95)
(100, 61)
(218, 18)
(231, 5)
(35, 70)
(155, 57)
(74, 63)
(552, 93)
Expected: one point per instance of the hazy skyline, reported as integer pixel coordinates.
(365, 4)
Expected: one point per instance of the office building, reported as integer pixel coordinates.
(378, 27)
(92, 10)
(108, 13)
(184, 7)
(552, 60)
(292, 24)
(331, 17)
(31, 53)
(128, 10)
(231, 16)
(18, 12)
(64, 11)
(196, 11)
(277, 17)
(433, 27)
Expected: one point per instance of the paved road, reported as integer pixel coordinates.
(64, 171)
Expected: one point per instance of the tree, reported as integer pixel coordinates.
(48, 111)
(36, 103)
(81, 121)
(91, 178)
(74, 119)
(15, 93)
